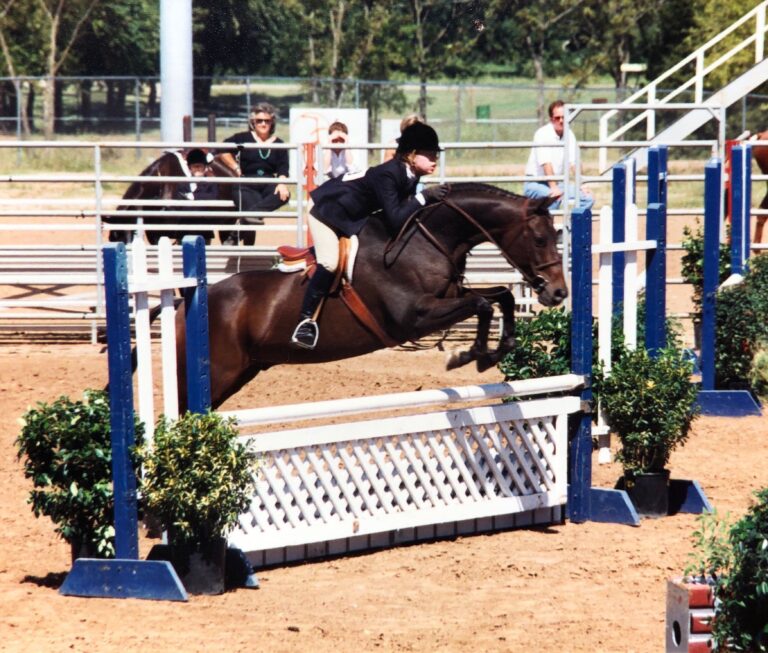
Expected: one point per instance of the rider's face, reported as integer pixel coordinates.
(197, 169)
(424, 162)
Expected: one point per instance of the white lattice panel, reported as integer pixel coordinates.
(345, 481)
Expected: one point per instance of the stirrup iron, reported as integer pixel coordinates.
(305, 334)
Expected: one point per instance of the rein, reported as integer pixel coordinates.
(538, 282)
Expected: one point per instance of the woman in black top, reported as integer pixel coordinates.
(262, 163)
(343, 207)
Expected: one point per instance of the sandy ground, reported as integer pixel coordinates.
(572, 587)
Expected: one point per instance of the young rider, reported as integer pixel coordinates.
(342, 207)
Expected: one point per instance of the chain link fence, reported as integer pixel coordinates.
(130, 106)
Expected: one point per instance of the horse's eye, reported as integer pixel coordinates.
(540, 241)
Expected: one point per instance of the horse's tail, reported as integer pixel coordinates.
(153, 313)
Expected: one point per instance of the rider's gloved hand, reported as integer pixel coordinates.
(436, 193)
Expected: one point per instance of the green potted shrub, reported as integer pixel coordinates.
(734, 560)
(67, 453)
(649, 403)
(197, 480)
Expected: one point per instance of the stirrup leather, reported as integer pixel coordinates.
(305, 334)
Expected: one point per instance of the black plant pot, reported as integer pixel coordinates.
(83, 550)
(201, 568)
(649, 492)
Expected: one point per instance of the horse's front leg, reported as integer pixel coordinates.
(506, 301)
(433, 314)
(479, 349)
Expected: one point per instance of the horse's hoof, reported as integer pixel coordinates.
(485, 363)
(456, 359)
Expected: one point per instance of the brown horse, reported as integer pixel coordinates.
(760, 156)
(413, 287)
(167, 165)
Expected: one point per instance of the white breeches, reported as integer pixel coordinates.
(326, 244)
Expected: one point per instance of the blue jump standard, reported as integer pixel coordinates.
(124, 579)
(127, 576)
(728, 403)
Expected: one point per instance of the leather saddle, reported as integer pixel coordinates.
(296, 259)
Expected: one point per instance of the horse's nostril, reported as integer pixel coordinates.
(560, 294)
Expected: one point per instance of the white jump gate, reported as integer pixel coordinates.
(348, 487)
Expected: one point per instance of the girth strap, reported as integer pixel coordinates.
(358, 308)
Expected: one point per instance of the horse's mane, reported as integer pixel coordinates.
(478, 187)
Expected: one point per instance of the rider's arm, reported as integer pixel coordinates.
(386, 184)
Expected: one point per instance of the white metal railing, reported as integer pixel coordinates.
(78, 264)
(696, 81)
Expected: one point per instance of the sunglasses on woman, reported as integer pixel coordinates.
(261, 121)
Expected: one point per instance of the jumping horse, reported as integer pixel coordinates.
(412, 285)
(167, 165)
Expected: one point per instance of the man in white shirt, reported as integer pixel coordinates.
(548, 161)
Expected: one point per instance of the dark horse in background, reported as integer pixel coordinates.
(412, 285)
(167, 165)
(760, 155)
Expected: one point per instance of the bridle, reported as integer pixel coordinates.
(537, 281)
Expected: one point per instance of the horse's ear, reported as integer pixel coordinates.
(543, 203)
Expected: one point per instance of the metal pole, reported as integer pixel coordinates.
(712, 181)
(175, 66)
(580, 452)
(196, 311)
(123, 433)
(137, 112)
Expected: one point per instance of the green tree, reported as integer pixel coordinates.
(22, 54)
(436, 39)
(103, 50)
(63, 24)
(709, 18)
(543, 27)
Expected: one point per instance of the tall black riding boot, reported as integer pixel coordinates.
(306, 333)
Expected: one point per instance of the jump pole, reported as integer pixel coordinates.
(126, 576)
(726, 403)
(587, 503)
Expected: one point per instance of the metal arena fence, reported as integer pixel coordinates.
(52, 223)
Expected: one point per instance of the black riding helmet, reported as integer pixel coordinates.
(418, 136)
(197, 156)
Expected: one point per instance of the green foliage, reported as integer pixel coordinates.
(741, 321)
(543, 342)
(738, 563)
(693, 263)
(742, 327)
(67, 454)
(650, 404)
(711, 552)
(198, 478)
(758, 375)
(542, 346)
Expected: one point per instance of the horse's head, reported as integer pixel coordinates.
(532, 246)
(525, 233)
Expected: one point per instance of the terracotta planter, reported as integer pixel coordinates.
(649, 492)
